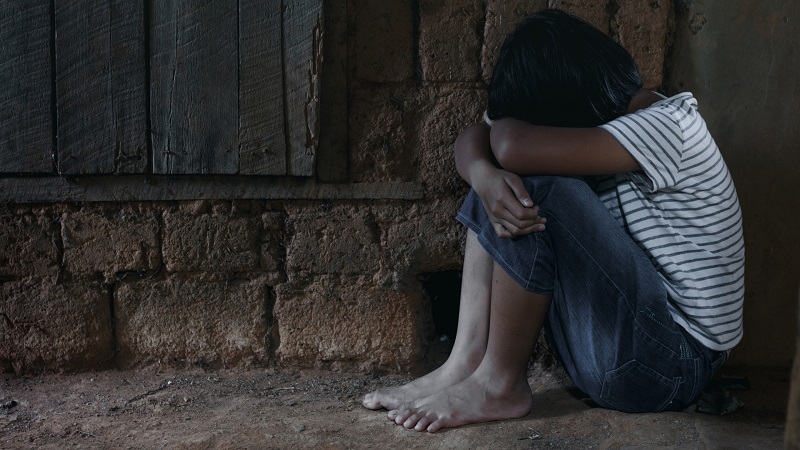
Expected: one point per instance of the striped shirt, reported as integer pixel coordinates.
(682, 209)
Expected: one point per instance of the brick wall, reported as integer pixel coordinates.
(327, 283)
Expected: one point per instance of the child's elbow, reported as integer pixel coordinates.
(502, 145)
(502, 155)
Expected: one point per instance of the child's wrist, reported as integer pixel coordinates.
(479, 171)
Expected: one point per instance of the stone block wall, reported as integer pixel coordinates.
(329, 283)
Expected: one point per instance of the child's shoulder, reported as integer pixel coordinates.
(684, 101)
(677, 113)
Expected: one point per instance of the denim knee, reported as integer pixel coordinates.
(527, 259)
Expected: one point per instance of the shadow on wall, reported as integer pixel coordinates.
(443, 290)
(739, 58)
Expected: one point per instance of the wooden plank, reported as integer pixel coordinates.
(194, 102)
(332, 159)
(100, 87)
(26, 125)
(129, 86)
(261, 126)
(302, 38)
(112, 188)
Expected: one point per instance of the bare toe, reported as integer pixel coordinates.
(411, 421)
(381, 398)
(435, 426)
(402, 415)
(369, 401)
(423, 423)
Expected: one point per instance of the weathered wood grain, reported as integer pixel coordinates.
(332, 158)
(302, 28)
(26, 124)
(211, 111)
(100, 86)
(129, 86)
(194, 103)
(262, 138)
(110, 188)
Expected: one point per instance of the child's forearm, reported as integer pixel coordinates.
(527, 149)
(472, 152)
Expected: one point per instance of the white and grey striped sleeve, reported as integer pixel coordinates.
(654, 137)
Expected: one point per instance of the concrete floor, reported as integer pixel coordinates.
(272, 409)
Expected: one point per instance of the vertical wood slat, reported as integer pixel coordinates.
(262, 139)
(302, 28)
(332, 158)
(26, 125)
(195, 93)
(100, 86)
(194, 102)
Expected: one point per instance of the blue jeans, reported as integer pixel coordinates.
(608, 321)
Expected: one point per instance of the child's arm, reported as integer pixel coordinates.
(502, 193)
(527, 149)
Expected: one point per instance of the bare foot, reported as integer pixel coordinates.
(476, 399)
(391, 398)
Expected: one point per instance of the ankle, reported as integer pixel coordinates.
(502, 381)
(465, 360)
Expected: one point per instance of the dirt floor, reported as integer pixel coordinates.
(276, 409)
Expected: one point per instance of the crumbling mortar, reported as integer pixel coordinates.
(58, 242)
(112, 323)
(158, 216)
(281, 236)
(142, 274)
(262, 233)
(233, 277)
(373, 227)
(272, 338)
(159, 233)
(613, 9)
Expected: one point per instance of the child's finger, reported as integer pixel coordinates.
(505, 229)
(515, 183)
(521, 216)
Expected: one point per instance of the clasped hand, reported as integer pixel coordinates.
(507, 203)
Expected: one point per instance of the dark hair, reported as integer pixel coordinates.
(555, 69)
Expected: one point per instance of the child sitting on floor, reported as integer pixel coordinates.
(600, 210)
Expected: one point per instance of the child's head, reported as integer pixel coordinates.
(555, 69)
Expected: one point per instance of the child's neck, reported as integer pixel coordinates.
(643, 99)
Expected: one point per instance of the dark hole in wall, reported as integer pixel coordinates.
(444, 291)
